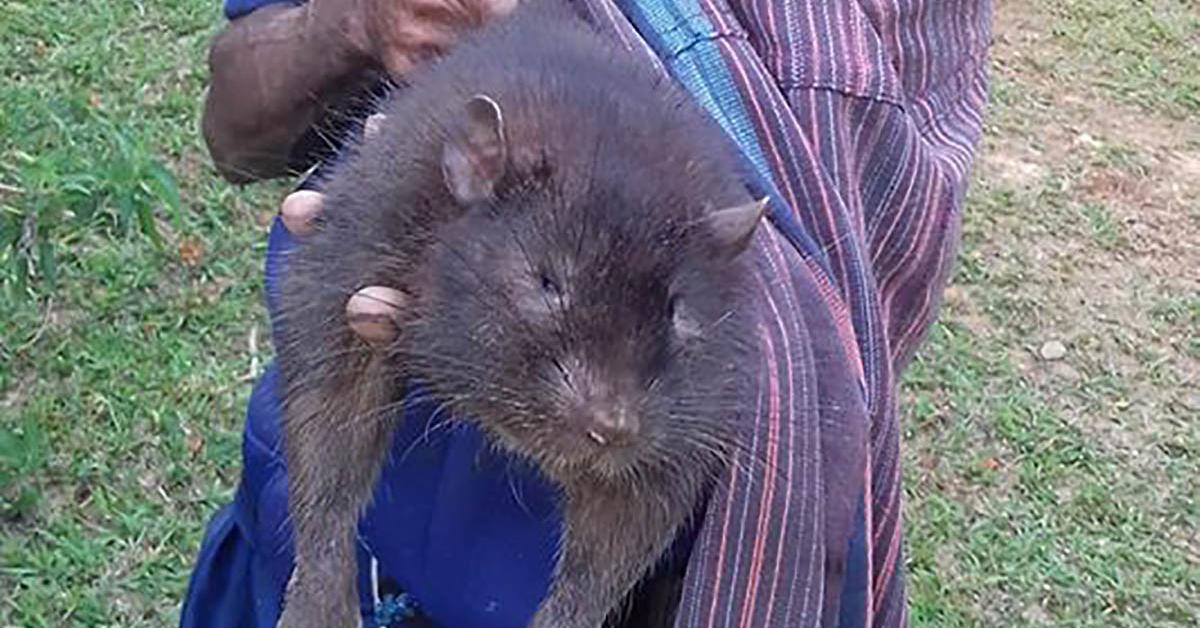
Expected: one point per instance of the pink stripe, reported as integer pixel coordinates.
(835, 68)
(722, 550)
(737, 555)
(889, 562)
(923, 60)
(864, 151)
(734, 61)
(777, 157)
(917, 224)
(721, 547)
(860, 53)
(781, 271)
(778, 49)
(835, 244)
(902, 271)
(893, 492)
(927, 297)
(815, 469)
(827, 290)
(841, 317)
(881, 244)
(868, 510)
(905, 173)
(768, 493)
(834, 247)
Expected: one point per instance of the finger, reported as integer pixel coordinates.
(299, 209)
(372, 313)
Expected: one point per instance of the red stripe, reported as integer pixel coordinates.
(772, 446)
(780, 270)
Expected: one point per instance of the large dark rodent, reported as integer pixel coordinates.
(568, 227)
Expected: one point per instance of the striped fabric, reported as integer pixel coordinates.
(859, 119)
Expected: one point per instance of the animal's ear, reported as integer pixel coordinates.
(474, 154)
(732, 228)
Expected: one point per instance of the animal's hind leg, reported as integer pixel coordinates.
(336, 440)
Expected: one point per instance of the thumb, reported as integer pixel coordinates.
(299, 209)
(372, 313)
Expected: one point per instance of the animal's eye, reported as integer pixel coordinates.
(672, 304)
(549, 286)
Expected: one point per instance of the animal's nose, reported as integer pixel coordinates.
(611, 425)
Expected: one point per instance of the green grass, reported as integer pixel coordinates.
(122, 369)
(1065, 493)
(1141, 52)
(1038, 493)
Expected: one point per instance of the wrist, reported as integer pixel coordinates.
(338, 32)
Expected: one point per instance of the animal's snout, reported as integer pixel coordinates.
(598, 409)
(610, 424)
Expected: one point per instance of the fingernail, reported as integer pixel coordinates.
(372, 314)
(372, 125)
(299, 209)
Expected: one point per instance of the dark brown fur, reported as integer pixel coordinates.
(589, 283)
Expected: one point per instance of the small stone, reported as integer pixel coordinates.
(1085, 139)
(1053, 350)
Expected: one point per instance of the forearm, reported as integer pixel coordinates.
(274, 73)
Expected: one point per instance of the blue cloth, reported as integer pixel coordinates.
(234, 9)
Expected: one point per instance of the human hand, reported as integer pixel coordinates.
(372, 311)
(399, 34)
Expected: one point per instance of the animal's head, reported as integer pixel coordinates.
(590, 329)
